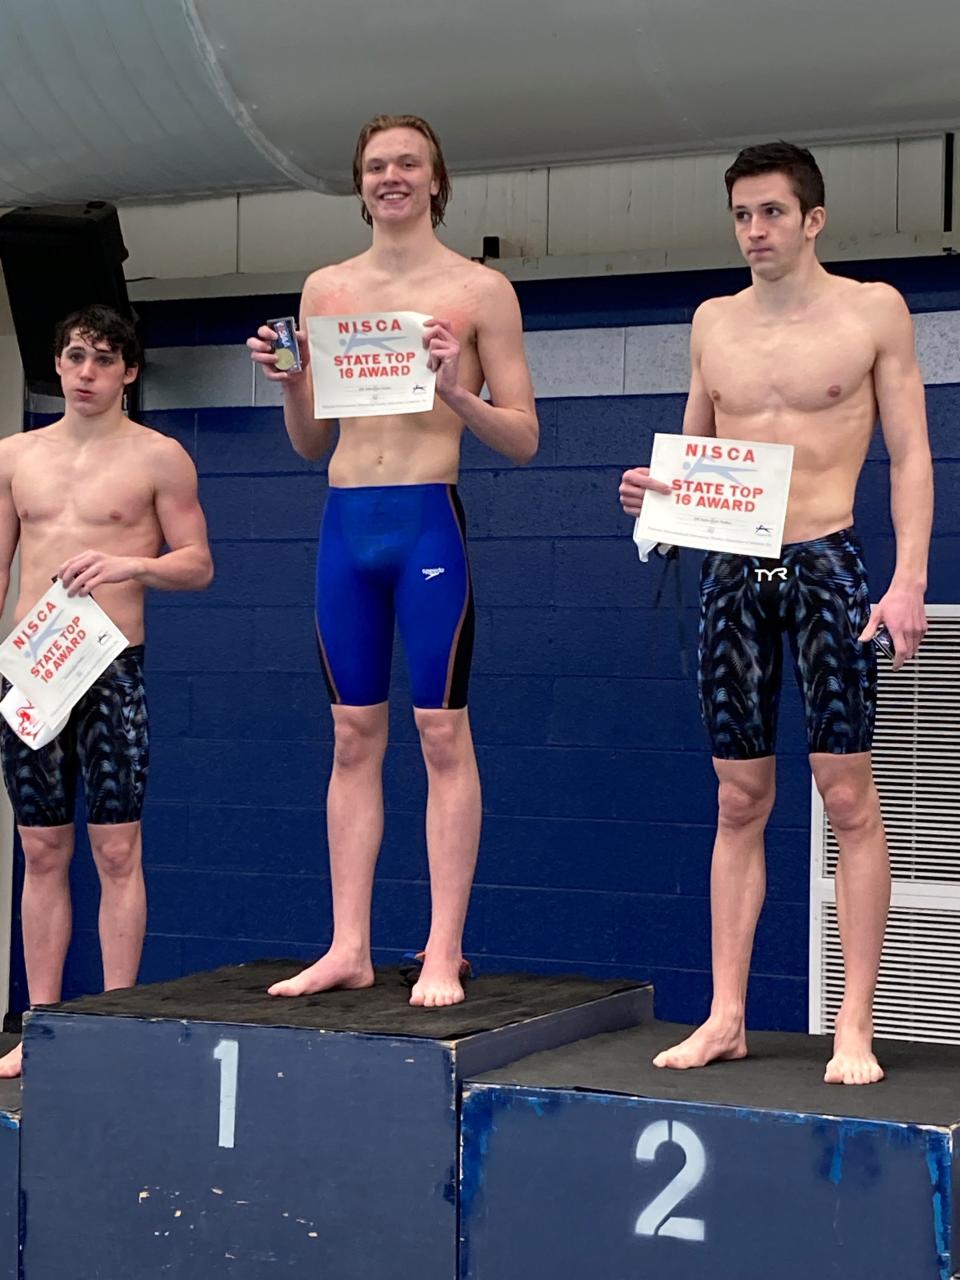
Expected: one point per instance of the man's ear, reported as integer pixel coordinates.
(815, 221)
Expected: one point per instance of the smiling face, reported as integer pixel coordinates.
(773, 235)
(397, 177)
(92, 375)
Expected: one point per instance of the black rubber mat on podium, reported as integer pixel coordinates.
(238, 995)
(784, 1072)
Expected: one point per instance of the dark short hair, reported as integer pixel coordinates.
(378, 124)
(99, 323)
(796, 163)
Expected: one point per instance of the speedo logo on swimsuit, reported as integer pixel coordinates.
(768, 575)
(432, 573)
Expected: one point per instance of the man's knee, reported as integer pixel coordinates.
(359, 737)
(851, 804)
(745, 801)
(444, 738)
(116, 849)
(47, 850)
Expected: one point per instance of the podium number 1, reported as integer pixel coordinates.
(227, 1054)
(657, 1219)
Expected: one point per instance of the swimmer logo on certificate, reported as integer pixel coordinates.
(369, 366)
(727, 495)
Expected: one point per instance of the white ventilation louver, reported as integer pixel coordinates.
(916, 760)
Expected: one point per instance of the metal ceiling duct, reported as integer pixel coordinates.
(116, 99)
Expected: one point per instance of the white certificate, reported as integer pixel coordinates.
(57, 650)
(369, 366)
(726, 495)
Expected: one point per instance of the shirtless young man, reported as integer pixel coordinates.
(392, 514)
(92, 498)
(805, 358)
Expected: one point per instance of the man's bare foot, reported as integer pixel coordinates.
(712, 1042)
(11, 1063)
(329, 972)
(440, 983)
(853, 1060)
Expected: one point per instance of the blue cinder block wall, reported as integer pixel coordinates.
(598, 790)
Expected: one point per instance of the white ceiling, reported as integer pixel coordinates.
(135, 98)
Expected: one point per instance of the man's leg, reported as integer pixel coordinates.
(737, 887)
(863, 899)
(453, 838)
(46, 918)
(118, 856)
(354, 833)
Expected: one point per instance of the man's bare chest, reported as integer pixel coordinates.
(795, 368)
(54, 489)
(448, 300)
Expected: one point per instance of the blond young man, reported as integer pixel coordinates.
(393, 547)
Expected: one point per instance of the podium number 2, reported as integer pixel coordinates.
(227, 1054)
(657, 1219)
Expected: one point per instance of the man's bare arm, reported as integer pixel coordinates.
(900, 399)
(698, 416)
(509, 422)
(9, 520)
(698, 420)
(311, 437)
(186, 566)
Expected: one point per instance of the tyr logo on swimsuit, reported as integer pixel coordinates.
(768, 575)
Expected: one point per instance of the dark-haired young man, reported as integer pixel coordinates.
(392, 544)
(92, 498)
(805, 358)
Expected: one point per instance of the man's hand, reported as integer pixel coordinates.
(263, 353)
(901, 611)
(82, 573)
(444, 356)
(634, 484)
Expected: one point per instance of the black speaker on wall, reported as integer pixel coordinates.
(56, 259)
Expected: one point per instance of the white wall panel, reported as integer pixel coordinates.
(512, 206)
(680, 202)
(861, 184)
(658, 203)
(298, 231)
(883, 198)
(920, 184)
(171, 239)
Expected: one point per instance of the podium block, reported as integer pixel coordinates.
(588, 1161)
(200, 1128)
(9, 1170)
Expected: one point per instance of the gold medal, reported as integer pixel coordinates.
(285, 359)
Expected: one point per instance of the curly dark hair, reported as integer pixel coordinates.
(99, 323)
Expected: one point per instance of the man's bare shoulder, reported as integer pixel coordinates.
(11, 451)
(335, 275)
(712, 311)
(158, 450)
(490, 291)
(877, 301)
(18, 449)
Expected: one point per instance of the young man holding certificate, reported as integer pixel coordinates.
(401, 341)
(807, 359)
(92, 500)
